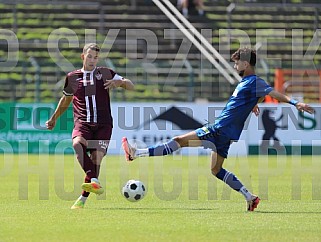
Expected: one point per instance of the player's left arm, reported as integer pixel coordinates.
(121, 82)
(302, 107)
(256, 109)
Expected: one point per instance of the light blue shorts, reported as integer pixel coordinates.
(213, 139)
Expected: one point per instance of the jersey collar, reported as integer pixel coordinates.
(82, 70)
(246, 77)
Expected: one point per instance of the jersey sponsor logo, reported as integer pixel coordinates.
(99, 76)
(238, 88)
(235, 93)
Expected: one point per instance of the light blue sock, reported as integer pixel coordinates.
(163, 149)
(230, 179)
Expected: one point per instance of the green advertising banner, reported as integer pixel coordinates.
(23, 129)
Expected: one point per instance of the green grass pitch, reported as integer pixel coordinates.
(184, 201)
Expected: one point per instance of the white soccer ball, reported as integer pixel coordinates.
(134, 190)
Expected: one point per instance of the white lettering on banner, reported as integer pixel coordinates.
(251, 135)
(30, 116)
(34, 136)
(287, 124)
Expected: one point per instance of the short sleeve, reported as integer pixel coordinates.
(262, 88)
(117, 77)
(68, 91)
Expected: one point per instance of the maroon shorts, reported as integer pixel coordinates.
(97, 135)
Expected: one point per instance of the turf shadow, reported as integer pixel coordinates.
(287, 212)
(159, 209)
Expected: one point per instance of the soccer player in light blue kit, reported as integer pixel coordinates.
(227, 127)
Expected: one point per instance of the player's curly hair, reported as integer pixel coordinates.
(91, 46)
(245, 54)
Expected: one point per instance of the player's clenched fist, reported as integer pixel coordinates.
(50, 124)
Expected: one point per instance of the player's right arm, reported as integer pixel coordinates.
(61, 108)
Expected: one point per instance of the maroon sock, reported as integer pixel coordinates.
(84, 193)
(88, 180)
(84, 160)
(97, 170)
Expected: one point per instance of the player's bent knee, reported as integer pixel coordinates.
(215, 170)
(181, 141)
(78, 141)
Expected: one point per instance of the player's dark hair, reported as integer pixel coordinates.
(91, 46)
(245, 54)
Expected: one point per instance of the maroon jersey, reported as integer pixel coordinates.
(91, 101)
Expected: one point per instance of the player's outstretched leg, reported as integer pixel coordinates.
(252, 204)
(94, 186)
(166, 148)
(128, 149)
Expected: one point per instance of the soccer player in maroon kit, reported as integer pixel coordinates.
(88, 90)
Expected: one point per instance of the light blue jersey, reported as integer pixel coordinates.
(239, 106)
(229, 125)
